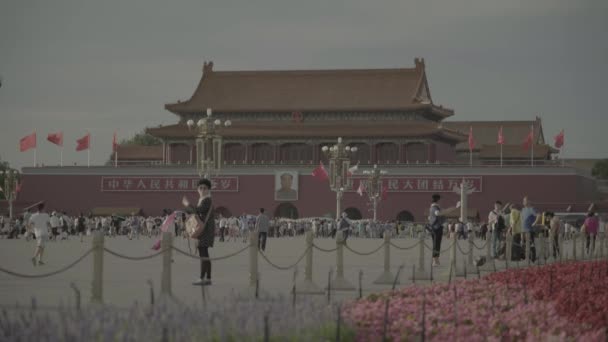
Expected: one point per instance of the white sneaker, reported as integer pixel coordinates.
(198, 282)
(206, 282)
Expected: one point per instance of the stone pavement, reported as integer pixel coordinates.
(125, 281)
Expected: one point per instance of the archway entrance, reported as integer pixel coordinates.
(353, 213)
(405, 216)
(286, 210)
(225, 212)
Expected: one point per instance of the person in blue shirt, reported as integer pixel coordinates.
(529, 219)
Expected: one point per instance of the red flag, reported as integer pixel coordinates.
(559, 139)
(83, 143)
(528, 142)
(471, 139)
(18, 188)
(56, 138)
(114, 143)
(27, 142)
(384, 192)
(320, 173)
(501, 138)
(361, 188)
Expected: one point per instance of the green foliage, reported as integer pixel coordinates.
(141, 138)
(600, 169)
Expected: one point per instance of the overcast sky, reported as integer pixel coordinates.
(112, 65)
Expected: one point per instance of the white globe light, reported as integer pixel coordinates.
(209, 111)
(201, 122)
(348, 148)
(354, 149)
(228, 123)
(339, 140)
(190, 123)
(324, 148)
(217, 122)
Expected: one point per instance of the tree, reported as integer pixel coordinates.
(4, 166)
(600, 169)
(141, 138)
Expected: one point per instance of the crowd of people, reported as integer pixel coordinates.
(522, 222)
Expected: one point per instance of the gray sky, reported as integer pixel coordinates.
(112, 65)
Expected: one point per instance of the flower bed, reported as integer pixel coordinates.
(230, 319)
(536, 304)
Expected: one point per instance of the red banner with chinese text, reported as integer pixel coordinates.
(424, 184)
(165, 184)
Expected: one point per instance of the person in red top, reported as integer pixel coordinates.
(591, 227)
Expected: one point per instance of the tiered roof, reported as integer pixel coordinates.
(326, 129)
(403, 89)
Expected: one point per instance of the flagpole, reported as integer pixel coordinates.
(532, 150)
(561, 152)
(500, 155)
(35, 157)
(61, 156)
(89, 156)
(116, 158)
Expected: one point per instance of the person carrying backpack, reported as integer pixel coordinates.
(435, 226)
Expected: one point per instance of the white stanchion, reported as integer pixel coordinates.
(253, 260)
(97, 283)
(165, 280)
(339, 283)
(307, 286)
(419, 272)
(386, 278)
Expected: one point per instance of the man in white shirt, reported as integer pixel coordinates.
(40, 222)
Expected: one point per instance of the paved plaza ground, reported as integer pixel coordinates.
(125, 281)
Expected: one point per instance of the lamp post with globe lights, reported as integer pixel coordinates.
(11, 178)
(374, 187)
(208, 144)
(339, 163)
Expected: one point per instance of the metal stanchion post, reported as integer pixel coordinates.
(97, 284)
(307, 285)
(340, 283)
(420, 273)
(560, 242)
(253, 259)
(470, 257)
(574, 235)
(508, 249)
(165, 280)
(528, 250)
(386, 277)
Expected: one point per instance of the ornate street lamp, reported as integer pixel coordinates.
(11, 178)
(208, 144)
(339, 163)
(374, 187)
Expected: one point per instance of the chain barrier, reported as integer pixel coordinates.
(61, 270)
(405, 248)
(479, 248)
(363, 253)
(448, 247)
(461, 251)
(325, 250)
(122, 256)
(284, 268)
(210, 259)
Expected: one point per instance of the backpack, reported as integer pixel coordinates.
(500, 223)
(437, 224)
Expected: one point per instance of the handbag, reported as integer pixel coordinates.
(194, 225)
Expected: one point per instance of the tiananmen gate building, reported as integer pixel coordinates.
(280, 122)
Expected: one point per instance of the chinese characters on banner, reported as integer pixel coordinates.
(424, 184)
(165, 184)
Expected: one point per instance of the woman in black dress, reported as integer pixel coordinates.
(204, 210)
